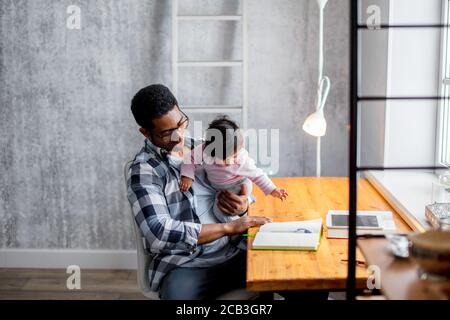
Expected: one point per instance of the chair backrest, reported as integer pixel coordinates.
(143, 258)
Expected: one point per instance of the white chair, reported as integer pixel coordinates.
(143, 261)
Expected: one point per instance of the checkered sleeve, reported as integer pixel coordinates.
(164, 234)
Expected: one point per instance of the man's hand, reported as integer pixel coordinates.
(185, 183)
(212, 232)
(241, 225)
(233, 204)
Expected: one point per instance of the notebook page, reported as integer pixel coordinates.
(315, 226)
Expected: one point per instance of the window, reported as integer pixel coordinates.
(443, 132)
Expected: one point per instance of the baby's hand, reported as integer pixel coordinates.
(279, 193)
(185, 183)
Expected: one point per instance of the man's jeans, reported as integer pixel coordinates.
(204, 283)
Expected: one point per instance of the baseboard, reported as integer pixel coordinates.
(62, 258)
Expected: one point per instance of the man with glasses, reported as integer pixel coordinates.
(193, 254)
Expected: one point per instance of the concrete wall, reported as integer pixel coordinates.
(65, 125)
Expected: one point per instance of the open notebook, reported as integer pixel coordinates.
(294, 235)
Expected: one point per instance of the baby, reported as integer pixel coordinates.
(226, 162)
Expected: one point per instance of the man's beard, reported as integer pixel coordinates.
(176, 146)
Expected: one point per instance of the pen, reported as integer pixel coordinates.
(302, 230)
(359, 263)
(248, 235)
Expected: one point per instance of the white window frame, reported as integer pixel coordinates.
(443, 121)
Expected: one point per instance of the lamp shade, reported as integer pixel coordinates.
(322, 3)
(315, 124)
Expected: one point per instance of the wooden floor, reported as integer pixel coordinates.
(50, 284)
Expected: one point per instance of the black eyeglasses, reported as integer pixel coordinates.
(166, 136)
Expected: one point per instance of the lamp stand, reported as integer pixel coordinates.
(322, 4)
(318, 161)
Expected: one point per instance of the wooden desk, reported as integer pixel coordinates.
(309, 198)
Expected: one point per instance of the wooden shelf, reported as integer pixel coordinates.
(399, 277)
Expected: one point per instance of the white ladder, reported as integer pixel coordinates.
(176, 63)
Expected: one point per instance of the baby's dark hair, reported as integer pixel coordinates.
(228, 132)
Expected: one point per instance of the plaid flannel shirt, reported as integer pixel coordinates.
(165, 215)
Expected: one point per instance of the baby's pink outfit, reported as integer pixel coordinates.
(223, 176)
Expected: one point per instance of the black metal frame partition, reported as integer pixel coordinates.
(354, 169)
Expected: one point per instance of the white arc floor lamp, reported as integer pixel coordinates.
(316, 124)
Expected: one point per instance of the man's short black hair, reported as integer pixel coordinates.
(228, 131)
(150, 103)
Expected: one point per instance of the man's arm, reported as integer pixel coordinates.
(163, 233)
(211, 232)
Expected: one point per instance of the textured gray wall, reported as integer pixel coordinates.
(65, 125)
